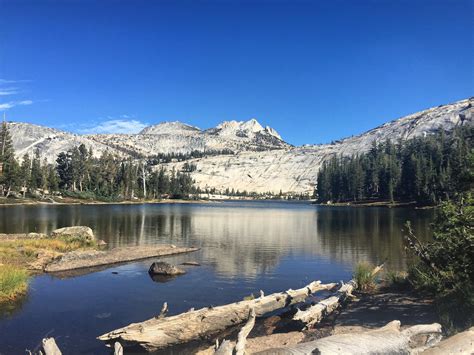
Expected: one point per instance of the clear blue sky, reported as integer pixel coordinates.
(313, 70)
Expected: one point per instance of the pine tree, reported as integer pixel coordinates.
(36, 176)
(9, 166)
(25, 173)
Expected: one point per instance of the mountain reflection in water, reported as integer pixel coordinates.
(238, 238)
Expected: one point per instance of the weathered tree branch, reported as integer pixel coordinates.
(159, 333)
(50, 347)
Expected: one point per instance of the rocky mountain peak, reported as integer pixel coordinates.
(243, 129)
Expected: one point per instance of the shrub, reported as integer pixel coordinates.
(445, 266)
(363, 276)
(396, 279)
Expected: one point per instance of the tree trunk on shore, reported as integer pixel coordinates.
(158, 333)
(385, 340)
(315, 314)
(50, 347)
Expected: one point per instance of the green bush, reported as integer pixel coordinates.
(445, 266)
(396, 279)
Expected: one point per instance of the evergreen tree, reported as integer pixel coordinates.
(9, 178)
(36, 176)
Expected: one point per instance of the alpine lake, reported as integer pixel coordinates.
(245, 247)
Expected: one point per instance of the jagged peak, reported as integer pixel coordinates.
(251, 126)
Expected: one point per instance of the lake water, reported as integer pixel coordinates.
(245, 247)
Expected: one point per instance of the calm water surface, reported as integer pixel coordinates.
(245, 247)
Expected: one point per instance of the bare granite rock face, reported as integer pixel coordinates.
(81, 232)
(162, 268)
(254, 155)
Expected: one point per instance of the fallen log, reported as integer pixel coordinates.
(227, 348)
(244, 333)
(385, 340)
(317, 312)
(50, 347)
(461, 343)
(155, 334)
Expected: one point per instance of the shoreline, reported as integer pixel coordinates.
(70, 202)
(386, 204)
(74, 201)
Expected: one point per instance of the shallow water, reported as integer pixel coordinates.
(245, 247)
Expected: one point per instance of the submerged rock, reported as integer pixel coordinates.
(191, 263)
(81, 232)
(162, 268)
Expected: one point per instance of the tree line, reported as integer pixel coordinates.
(425, 170)
(78, 173)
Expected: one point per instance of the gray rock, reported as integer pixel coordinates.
(80, 232)
(36, 235)
(162, 268)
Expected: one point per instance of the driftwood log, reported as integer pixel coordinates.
(317, 312)
(461, 343)
(118, 350)
(385, 340)
(158, 333)
(227, 348)
(50, 347)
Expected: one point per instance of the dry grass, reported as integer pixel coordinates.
(23, 251)
(13, 282)
(16, 256)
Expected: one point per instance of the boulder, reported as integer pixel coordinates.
(37, 235)
(162, 268)
(80, 232)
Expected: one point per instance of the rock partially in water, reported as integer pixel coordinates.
(81, 232)
(162, 278)
(162, 268)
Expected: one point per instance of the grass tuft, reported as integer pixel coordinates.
(13, 282)
(363, 276)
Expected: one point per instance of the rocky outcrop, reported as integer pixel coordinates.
(79, 232)
(27, 138)
(92, 258)
(165, 269)
(295, 169)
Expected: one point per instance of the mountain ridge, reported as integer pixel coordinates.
(261, 161)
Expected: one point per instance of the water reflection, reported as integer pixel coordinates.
(238, 238)
(245, 247)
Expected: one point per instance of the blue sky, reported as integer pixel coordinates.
(313, 70)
